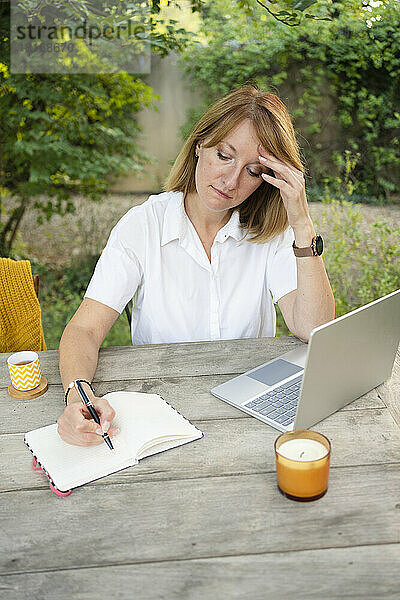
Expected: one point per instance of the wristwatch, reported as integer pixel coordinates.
(316, 248)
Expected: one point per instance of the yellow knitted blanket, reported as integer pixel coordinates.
(20, 317)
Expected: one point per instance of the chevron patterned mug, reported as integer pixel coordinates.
(24, 370)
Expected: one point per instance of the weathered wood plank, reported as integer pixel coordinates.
(197, 518)
(189, 395)
(357, 572)
(230, 446)
(171, 360)
(242, 446)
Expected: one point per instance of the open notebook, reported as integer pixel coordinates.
(148, 425)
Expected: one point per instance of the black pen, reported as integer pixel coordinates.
(92, 411)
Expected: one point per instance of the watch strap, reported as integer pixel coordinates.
(301, 252)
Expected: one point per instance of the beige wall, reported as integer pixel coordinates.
(160, 130)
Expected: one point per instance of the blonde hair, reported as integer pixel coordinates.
(262, 214)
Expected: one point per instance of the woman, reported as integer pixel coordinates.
(202, 260)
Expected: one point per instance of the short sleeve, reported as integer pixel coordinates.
(117, 275)
(282, 271)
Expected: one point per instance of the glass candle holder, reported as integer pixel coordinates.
(302, 464)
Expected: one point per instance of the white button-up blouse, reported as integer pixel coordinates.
(154, 255)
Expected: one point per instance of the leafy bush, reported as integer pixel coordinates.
(67, 133)
(57, 309)
(341, 78)
(362, 264)
(60, 295)
(64, 134)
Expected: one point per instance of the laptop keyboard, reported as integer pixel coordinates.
(280, 404)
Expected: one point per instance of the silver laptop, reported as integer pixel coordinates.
(343, 360)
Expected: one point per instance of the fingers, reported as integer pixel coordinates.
(113, 431)
(267, 155)
(75, 425)
(279, 183)
(280, 167)
(75, 429)
(289, 180)
(289, 173)
(105, 411)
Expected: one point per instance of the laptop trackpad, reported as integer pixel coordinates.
(276, 371)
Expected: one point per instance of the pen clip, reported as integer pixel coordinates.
(82, 393)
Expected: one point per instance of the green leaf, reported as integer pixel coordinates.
(302, 4)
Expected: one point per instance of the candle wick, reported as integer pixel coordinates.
(301, 454)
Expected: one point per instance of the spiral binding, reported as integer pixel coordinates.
(180, 414)
(38, 467)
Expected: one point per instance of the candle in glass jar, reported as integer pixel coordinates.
(302, 464)
(302, 449)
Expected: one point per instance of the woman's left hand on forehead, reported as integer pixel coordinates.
(290, 181)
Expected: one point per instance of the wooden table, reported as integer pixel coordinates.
(204, 520)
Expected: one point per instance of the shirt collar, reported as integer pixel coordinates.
(176, 221)
(231, 229)
(173, 219)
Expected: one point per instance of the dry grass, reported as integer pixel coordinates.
(86, 231)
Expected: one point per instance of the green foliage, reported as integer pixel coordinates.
(77, 275)
(68, 134)
(293, 11)
(64, 134)
(341, 78)
(362, 264)
(281, 327)
(58, 309)
(60, 294)
(119, 334)
(78, 29)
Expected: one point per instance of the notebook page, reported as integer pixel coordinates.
(149, 418)
(160, 445)
(69, 465)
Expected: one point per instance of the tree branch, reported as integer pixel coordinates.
(277, 18)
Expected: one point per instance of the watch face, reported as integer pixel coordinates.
(319, 245)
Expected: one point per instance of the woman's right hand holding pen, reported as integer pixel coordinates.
(76, 426)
